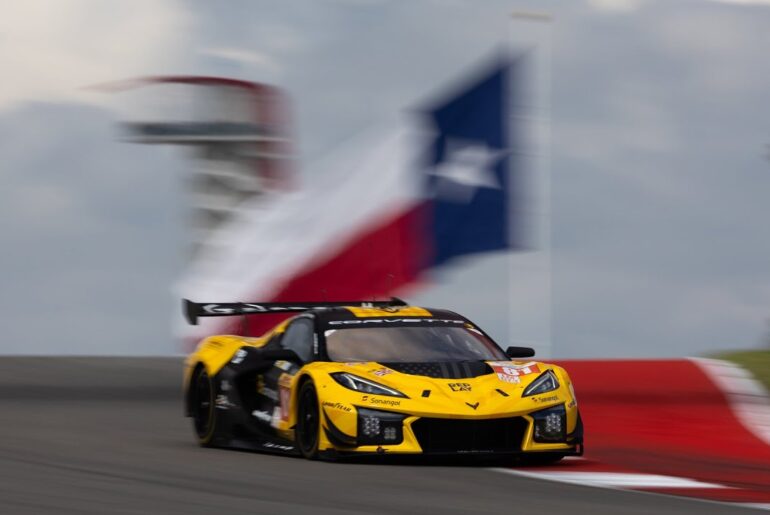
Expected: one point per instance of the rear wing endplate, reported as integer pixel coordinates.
(195, 310)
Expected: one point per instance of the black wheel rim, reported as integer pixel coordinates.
(202, 404)
(308, 421)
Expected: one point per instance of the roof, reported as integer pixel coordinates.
(333, 314)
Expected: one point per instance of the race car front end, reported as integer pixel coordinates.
(518, 408)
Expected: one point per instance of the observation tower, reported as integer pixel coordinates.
(237, 131)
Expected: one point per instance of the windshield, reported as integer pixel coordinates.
(414, 344)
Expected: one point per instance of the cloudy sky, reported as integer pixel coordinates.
(658, 120)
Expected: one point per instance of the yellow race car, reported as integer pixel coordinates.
(351, 378)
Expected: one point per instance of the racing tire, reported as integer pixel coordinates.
(202, 407)
(308, 429)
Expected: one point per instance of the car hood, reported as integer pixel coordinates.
(495, 386)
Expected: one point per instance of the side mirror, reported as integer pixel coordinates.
(519, 352)
(280, 355)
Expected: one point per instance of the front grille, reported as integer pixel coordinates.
(447, 370)
(452, 435)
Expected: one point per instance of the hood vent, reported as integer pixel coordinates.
(448, 370)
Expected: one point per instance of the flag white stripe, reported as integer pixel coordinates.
(268, 243)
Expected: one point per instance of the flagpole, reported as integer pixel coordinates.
(541, 124)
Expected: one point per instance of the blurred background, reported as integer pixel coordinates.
(641, 162)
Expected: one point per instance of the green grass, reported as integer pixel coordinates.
(755, 361)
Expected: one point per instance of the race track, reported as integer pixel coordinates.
(107, 435)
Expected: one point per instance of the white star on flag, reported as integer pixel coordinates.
(467, 166)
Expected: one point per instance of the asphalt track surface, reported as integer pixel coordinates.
(107, 435)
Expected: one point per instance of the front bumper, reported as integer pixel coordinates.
(342, 432)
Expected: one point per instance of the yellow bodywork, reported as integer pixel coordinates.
(449, 398)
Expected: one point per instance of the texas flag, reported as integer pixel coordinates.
(378, 216)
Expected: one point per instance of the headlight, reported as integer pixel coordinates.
(377, 427)
(550, 424)
(545, 383)
(360, 384)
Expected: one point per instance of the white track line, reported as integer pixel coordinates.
(616, 479)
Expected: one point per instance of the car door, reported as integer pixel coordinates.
(275, 386)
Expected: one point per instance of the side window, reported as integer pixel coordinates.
(299, 338)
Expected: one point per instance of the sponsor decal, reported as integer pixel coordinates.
(222, 402)
(572, 403)
(238, 357)
(381, 402)
(381, 371)
(502, 376)
(474, 406)
(269, 393)
(278, 446)
(336, 405)
(223, 309)
(284, 365)
(460, 387)
(215, 309)
(285, 380)
(285, 399)
(382, 321)
(511, 372)
(550, 398)
(264, 416)
(365, 312)
(276, 421)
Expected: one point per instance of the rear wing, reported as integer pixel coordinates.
(195, 310)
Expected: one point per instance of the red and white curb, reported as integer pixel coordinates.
(747, 397)
(750, 403)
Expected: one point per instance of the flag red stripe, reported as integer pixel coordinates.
(375, 262)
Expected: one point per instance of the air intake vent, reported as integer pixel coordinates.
(482, 436)
(448, 370)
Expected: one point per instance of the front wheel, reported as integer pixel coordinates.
(308, 421)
